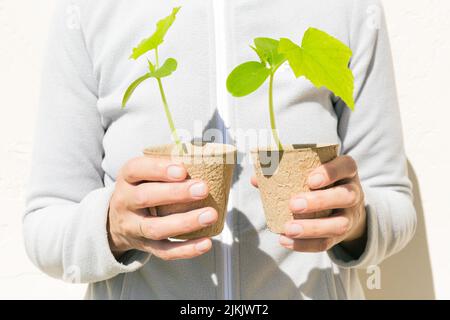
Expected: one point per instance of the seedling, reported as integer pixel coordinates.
(156, 70)
(321, 58)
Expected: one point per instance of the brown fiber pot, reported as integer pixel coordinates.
(280, 175)
(212, 163)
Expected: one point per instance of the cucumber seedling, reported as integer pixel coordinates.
(321, 58)
(156, 70)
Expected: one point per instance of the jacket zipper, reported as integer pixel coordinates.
(224, 112)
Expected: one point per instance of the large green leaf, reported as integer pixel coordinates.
(324, 60)
(157, 38)
(247, 78)
(169, 67)
(133, 87)
(267, 50)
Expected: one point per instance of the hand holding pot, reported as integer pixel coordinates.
(346, 225)
(344, 195)
(144, 183)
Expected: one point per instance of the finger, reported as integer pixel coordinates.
(153, 169)
(339, 197)
(159, 228)
(167, 250)
(154, 194)
(335, 226)
(254, 181)
(308, 245)
(336, 170)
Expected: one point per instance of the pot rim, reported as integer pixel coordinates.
(216, 150)
(296, 148)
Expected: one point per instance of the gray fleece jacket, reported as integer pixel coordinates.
(83, 138)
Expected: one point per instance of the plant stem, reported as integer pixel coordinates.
(157, 58)
(169, 118)
(272, 115)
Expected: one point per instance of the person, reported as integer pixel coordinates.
(86, 218)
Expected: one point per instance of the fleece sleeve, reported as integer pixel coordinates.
(372, 135)
(67, 203)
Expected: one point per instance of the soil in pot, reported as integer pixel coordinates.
(212, 163)
(283, 174)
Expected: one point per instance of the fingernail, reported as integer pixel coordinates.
(299, 204)
(198, 190)
(203, 246)
(316, 180)
(294, 229)
(285, 241)
(207, 218)
(176, 172)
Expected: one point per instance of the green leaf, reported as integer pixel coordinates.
(133, 87)
(169, 67)
(268, 49)
(157, 38)
(324, 60)
(151, 66)
(247, 78)
(260, 55)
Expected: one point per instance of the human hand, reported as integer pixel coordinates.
(144, 183)
(344, 195)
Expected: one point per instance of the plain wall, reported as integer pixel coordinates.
(420, 33)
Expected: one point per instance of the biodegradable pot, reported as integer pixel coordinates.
(282, 174)
(212, 163)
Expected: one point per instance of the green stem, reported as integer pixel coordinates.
(157, 58)
(272, 115)
(169, 118)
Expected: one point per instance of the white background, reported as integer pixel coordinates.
(420, 33)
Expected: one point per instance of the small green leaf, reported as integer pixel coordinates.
(157, 38)
(324, 60)
(151, 66)
(268, 48)
(247, 78)
(260, 55)
(169, 67)
(133, 87)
